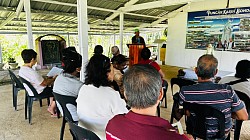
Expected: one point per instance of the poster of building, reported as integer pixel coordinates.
(225, 29)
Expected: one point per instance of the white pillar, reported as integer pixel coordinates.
(28, 22)
(121, 32)
(82, 16)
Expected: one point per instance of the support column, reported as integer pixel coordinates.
(28, 23)
(121, 32)
(82, 16)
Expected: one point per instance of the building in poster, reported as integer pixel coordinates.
(225, 29)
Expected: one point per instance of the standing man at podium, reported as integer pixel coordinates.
(137, 39)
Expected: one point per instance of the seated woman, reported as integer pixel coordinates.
(97, 102)
(119, 63)
(67, 83)
(39, 83)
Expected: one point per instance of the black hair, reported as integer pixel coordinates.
(145, 53)
(28, 54)
(243, 69)
(97, 70)
(71, 60)
(119, 59)
(98, 49)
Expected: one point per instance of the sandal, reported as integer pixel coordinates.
(51, 112)
(54, 115)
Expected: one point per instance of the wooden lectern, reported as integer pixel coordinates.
(134, 53)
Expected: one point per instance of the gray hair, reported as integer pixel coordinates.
(142, 86)
(206, 66)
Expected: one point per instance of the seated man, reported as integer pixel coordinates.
(141, 122)
(240, 81)
(219, 96)
(119, 64)
(145, 55)
(115, 51)
(40, 84)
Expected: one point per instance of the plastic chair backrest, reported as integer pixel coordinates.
(246, 99)
(80, 133)
(15, 81)
(28, 85)
(199, 128)
(180, 82)
(63, 101)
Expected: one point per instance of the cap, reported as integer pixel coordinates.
(136, 30)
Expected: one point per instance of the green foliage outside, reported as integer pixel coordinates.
(12, 45)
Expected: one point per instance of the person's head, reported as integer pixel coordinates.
(98, 49)
(145, 53)
(137, 32)
(99, 71)
(29, 56)
(209, 46)
(230, 40)
(142, 86)
(72, 61)
(119, 61)
(243, 69)
(206, 67)
(115, 50)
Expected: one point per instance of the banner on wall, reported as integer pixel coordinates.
(225, 29)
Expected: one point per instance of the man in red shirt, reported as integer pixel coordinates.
(145, 55)
(143, 91)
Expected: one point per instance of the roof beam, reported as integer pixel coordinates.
(169, 15)
(19, 8)
(12, 15)
(114, 15)
(74, 5)
(156, 4)
(115, 12)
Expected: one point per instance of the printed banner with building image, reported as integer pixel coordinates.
(225, 29)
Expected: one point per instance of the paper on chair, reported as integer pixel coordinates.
(54, 71)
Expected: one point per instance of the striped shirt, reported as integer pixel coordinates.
(219, 96)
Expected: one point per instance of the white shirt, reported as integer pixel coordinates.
(96, 106)
(68, 85)
(242, 86)
(33, 77)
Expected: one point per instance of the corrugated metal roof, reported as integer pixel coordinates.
(63, 17)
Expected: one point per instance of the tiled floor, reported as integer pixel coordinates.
(13, 126)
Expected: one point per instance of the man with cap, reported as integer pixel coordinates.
(137, 39)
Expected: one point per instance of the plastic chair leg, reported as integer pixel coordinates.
(48, 101)
(30, 104)
(158, 111)
(238, 124)
(26, 105)
(166, 105)
(175, 105)
(62, 128)
(172, 115)
(41, 102)
(15, 92)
